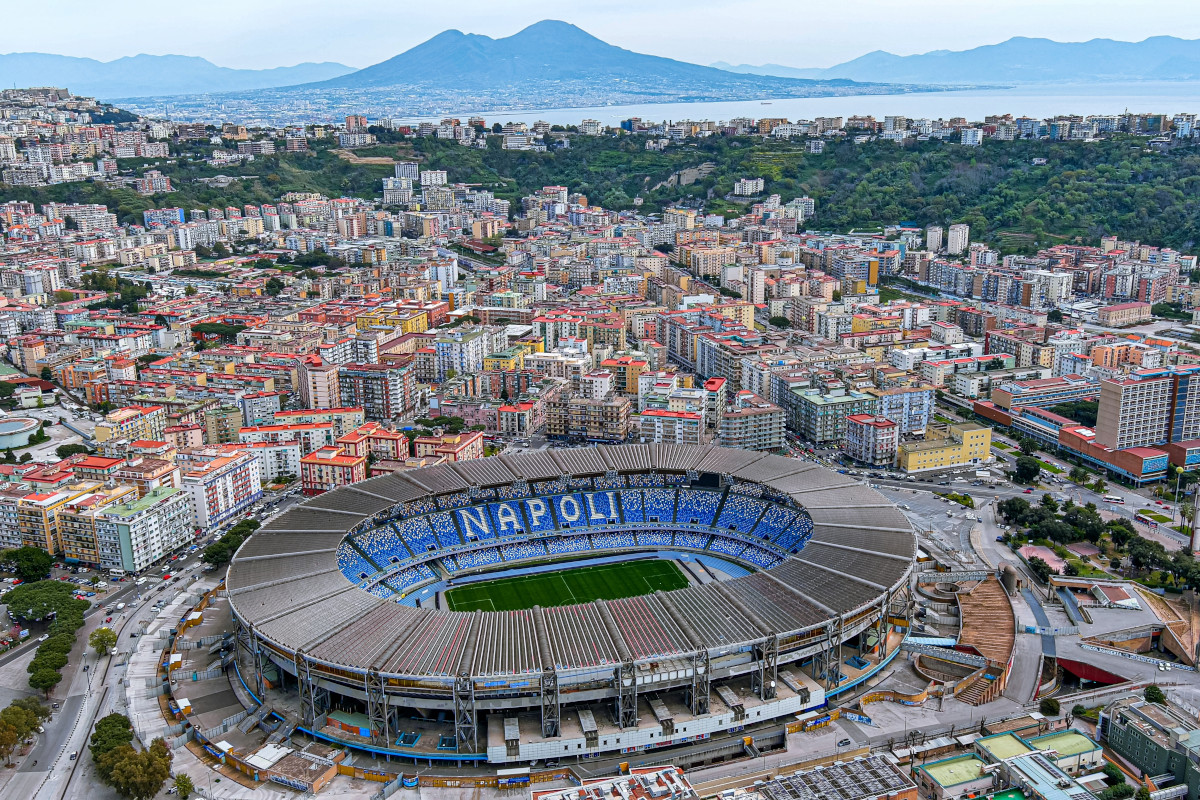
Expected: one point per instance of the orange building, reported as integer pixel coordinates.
(328, 468)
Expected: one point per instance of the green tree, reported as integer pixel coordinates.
(1099, 487)
(274, 287)
(1054, 316)
(1049, 503)
(1049, 706)
(1142, 794)
(183, 786)
(1028, 469)
(1028, 446)
(1014, 509)
(111, 732)
(9, 739)
(1041, 571)
(103, 640)
(1112, 771)
(1154, 694)
(44, 680)
(31, 563)
(47, 374)
(780, 322)
(133, 774)
(68, 450)
(189, 290)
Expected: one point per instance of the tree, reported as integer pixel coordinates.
(1028, 469)
(1121, 531)
(1049, 706)
(136, 775)
(1112, 771)
(1154, 694)
(1099, 487)
(1041, 571)
(31, 563)
(274, 287)
(1055, 316)
(1028, 446)
(183, 786)
(1013, 509)
(1077, 475)
(103, 640)
(68, 450)
(47, 374)
(1049, 503)
(190, 290)
(1142, 794)
(9, 739)
(44, 680)
(780, 322)
(111, 732)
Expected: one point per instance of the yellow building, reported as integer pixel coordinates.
(506, 360)
(77, 522)
(956, 446)
(37, 515)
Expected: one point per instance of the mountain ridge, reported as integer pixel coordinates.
(146, 75)
(1018, 60)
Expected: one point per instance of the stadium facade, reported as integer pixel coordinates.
(335, 602)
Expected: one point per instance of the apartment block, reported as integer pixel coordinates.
(751, 423)
(328, 468)
(871, 439)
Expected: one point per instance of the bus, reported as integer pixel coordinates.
(1112, 498)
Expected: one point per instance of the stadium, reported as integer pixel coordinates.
(574, 602)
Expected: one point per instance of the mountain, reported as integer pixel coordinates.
(544, 54)
(777, 70)
(1017, 60)
(145, 76)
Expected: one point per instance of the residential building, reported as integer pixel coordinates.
(871, 439)
(385, 392)
(944, 447)
(1121, 314)
(449, 446)
(751, 423)
(603, 420)
(136, 532)
(958, 239)
(330, 467)
(670, 427)
(223, 487)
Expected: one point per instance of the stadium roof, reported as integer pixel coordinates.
(285, 582)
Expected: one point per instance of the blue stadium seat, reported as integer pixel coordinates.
(382, 545)
(723, 544)
(352, 564)
(418, 535)
(411, 577)
(479, 558)
(381, 591)
(503, 523)
(631, 505)
(612, 541)
(443, 528)
(739, 513)
(697, 507)
(797, 533)
(660, 505)
(689, 539)
(567, 544)
(521, 550)
(654, 538)
(774, 522)
(539, 514)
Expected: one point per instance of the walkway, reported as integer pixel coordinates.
(1048, 646)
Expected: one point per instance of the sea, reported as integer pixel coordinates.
(1040, 101)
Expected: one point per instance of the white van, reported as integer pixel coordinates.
(120, 606)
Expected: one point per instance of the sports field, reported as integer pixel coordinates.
(568, 586)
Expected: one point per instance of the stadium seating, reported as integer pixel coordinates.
(689, 539)
(645, 480)
(513, 492)
(553, 486)
(697, 507)
(411, 577)
(381, 591)
(519, 550)
(739, 513)
(723, 544)
(455, 500)
(418, 535)
(503, 526)
(774, 522)
(580, 483)
(797, 533)
(382, 545)
(443, 527)
(759, 557)
(478, 558)
(449, 562)
(615, 482)
(654, 538)
(422, 506)
(631, 506)
(352, 564)
(570, 544)
(543, 523)
(660, 505)
(607, 541)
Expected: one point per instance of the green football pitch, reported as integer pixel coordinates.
(568, 586)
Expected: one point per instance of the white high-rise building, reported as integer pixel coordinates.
(933, 238)
(959, 239)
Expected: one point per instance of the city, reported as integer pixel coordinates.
(653, 459)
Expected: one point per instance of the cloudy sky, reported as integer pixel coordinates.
(799, 33)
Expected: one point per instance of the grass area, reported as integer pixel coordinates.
(1001, 446)
(567, 586)
(1156, 516)
(1050, 467)
(887, 294)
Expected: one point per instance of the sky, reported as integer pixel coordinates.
(797, 33)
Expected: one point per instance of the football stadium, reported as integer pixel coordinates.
(571, 603)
